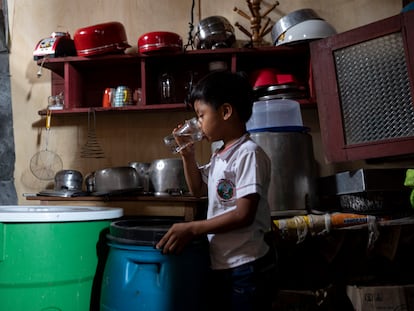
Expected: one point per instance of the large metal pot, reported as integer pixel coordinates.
(142, 169)
(68, 180)
(101, 39)
(292, 189)
(114, 180)
(214, 32)
(167, 177)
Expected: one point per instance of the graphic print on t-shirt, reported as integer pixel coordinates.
(225, 189)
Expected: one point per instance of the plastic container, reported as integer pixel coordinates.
(48, 256)
(139, 277)
(275, 113)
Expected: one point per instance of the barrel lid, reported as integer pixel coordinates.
(47, 213)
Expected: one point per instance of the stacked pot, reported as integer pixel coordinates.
(276, 125)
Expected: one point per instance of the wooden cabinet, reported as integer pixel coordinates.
(364, 86)
(82, 80)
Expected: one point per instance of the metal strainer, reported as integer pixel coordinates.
(45, 163)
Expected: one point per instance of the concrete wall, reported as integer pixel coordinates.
(134, 136)
(7, 155)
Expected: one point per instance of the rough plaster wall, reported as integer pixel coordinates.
(8, 194)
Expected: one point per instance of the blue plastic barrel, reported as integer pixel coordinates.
(139, 277)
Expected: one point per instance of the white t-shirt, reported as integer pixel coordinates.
(239, 170)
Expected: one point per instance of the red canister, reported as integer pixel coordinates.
(108, 97)
(101, 39)
(160, 41)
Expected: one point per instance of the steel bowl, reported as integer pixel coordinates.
(291, 20)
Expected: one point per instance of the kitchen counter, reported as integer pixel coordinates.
(141, 205)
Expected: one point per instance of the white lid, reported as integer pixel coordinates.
(47, 213)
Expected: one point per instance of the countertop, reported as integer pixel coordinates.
(186, 206)
(164, 198)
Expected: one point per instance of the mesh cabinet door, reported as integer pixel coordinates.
(364, 90)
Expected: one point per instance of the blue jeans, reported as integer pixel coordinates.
(249, 287)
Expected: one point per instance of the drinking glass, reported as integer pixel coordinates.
(187, 134)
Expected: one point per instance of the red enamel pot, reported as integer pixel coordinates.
(101, 39)
(160, 41)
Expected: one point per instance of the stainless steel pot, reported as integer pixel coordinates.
(68, 180)
(142, 169)
(114, 180)
(167, 177)
(90, 182)
(214, 32)
(292, 189)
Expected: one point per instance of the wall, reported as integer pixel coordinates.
(134, 136)
(7, 154)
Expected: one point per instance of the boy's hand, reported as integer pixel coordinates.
(177, 237)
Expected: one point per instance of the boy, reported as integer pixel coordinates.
(236, 181)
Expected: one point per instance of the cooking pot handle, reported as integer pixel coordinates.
(90, 182)
(220, 45)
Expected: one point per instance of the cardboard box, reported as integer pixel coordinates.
(382, 298)
(295, 300)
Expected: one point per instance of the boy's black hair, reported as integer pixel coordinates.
(219, 87)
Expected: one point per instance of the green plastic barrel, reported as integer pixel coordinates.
(49, 256)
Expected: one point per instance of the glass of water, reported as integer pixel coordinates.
(187, 134)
